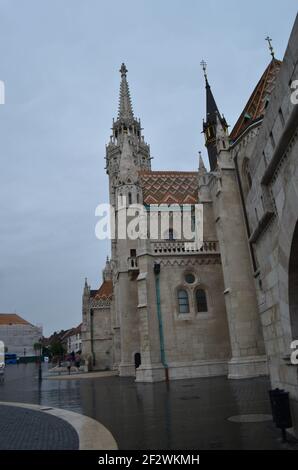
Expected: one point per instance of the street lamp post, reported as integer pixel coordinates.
(40, 359)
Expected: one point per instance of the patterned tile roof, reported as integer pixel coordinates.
(104, 292)
(169, 187)
(255, 107)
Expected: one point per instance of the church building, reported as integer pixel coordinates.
(229, 306)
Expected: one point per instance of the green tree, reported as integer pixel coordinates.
(57, 348)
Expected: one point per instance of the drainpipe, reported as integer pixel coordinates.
(159, 316)
(91, 334)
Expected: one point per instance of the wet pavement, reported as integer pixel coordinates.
(186, 414)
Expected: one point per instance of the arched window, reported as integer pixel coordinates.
(129, 198)
(201, 300)
(183, 301)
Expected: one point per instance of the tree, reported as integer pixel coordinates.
(57, 348)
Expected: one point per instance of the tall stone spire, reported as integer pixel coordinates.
(125, 112)
(127, 152)
(209, 126)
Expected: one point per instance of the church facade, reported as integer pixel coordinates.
(228, 307)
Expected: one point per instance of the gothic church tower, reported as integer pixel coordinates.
(127, 153)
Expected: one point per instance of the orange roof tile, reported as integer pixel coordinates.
(169, 187)
(12, 319)
(255, 107)
(104, 292)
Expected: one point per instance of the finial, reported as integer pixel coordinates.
(204, 67)
(268, 39)
(86, 283)
(123, 70)
(202, 168)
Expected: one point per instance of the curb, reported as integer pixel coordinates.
(92, 434)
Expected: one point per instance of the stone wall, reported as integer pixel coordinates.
(272, 206)
(20, 339)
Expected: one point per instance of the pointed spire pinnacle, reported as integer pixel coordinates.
(269, 40)
(209, 126)
(125, 112)
(211, 106)
(107, 271)
(86, 288)
(202, 168)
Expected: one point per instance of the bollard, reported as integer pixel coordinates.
(280, 405)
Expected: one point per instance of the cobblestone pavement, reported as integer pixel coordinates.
(186, 414)
(22, 429)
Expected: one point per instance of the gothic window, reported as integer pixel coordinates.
(183, 301)
(129, 198)
(193, 218)
(201, 301)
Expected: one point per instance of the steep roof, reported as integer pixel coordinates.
(169, 187)
(104, 292)
(256, 105)
(71, 332)
(66, 334)
(12, 319)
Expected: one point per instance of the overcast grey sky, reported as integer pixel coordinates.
(60, 62)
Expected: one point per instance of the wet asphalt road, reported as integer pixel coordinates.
(187, 414)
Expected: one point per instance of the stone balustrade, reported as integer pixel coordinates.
(170, 247)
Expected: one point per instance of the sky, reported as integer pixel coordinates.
(60, 64)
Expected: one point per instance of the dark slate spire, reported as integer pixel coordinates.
(209, 126)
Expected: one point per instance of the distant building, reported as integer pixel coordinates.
(18, 335)
(72, 339)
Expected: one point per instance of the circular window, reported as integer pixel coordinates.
(189, 278)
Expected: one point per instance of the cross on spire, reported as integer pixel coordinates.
(269, 40)
(204, 67)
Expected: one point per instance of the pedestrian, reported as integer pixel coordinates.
(77, 360)
(68, 365)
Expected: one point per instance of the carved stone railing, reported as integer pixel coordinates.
(184, 248)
